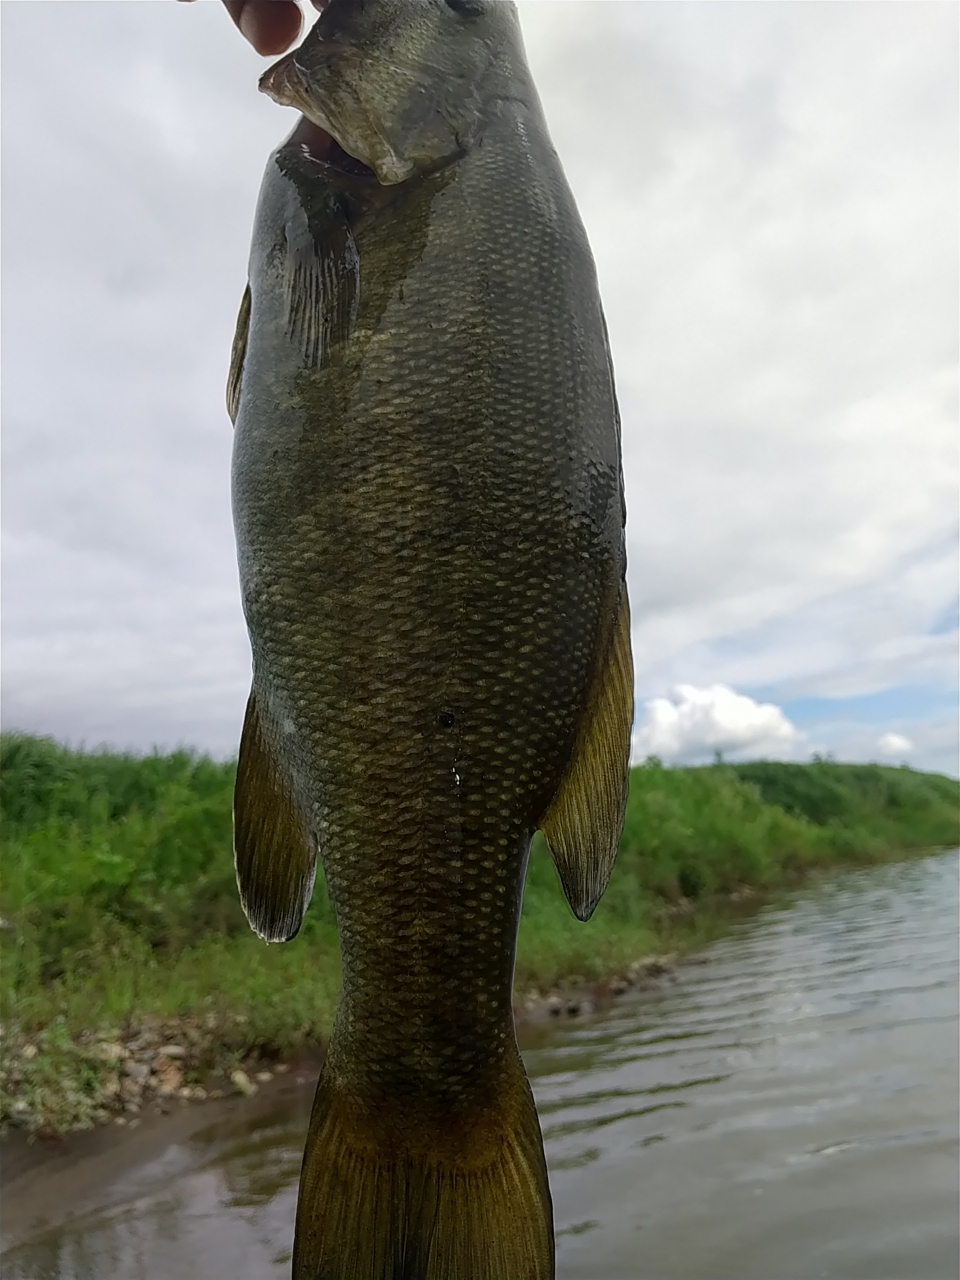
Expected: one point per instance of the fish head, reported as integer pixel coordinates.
(403, 86)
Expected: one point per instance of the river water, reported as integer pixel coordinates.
(785, 1108)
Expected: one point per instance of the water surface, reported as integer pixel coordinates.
(785, 1108)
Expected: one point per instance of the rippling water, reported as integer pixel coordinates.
(786, 1109)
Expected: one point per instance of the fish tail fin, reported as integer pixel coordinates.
(379, 1201)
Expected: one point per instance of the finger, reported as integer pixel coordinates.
(271, 26)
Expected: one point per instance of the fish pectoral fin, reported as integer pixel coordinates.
(322, 284)
(274, 852)
(237, 355)
(582, 826)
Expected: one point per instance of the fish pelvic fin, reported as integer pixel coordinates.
(274, 853)
(374, 1206)
(238, 354)
(583, 824)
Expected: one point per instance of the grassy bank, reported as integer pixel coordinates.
(120, 911)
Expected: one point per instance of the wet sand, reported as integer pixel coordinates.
(53, 1181)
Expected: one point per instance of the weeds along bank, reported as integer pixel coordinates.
(121, 923)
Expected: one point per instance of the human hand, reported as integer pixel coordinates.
(271, 26)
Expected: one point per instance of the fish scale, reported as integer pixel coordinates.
(429, 515)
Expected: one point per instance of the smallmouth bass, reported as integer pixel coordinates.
(429, 513)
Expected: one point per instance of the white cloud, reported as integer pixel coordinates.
(771, 195)
(933, 740)
(897, 629)
(894, 744)
(770, 191)
(700, 721)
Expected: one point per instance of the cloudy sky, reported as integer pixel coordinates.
(771, 194)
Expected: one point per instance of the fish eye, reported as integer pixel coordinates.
(465, 8)
(446, 719)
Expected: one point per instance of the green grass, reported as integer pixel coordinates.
(698, 835)
(119, 901)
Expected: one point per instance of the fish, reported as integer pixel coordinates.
(429, 512)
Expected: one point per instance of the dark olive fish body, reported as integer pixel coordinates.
(429, 517)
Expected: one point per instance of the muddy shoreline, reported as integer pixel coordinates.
(152, 1114)
(704, 1111)
(155, 1100)
(161, 1069)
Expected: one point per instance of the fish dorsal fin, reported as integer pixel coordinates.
(583, 823)
(237, 355)
(274, 852)
(322, 283)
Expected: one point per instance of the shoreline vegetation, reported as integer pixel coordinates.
(131, 981)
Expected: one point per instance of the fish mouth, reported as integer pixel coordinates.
(320, 145)
(284, 82)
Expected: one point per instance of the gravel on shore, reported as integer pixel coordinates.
(51, 1084)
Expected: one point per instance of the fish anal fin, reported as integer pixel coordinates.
(583, 823)
(237, 355)
(322, 283)
(274, 853)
